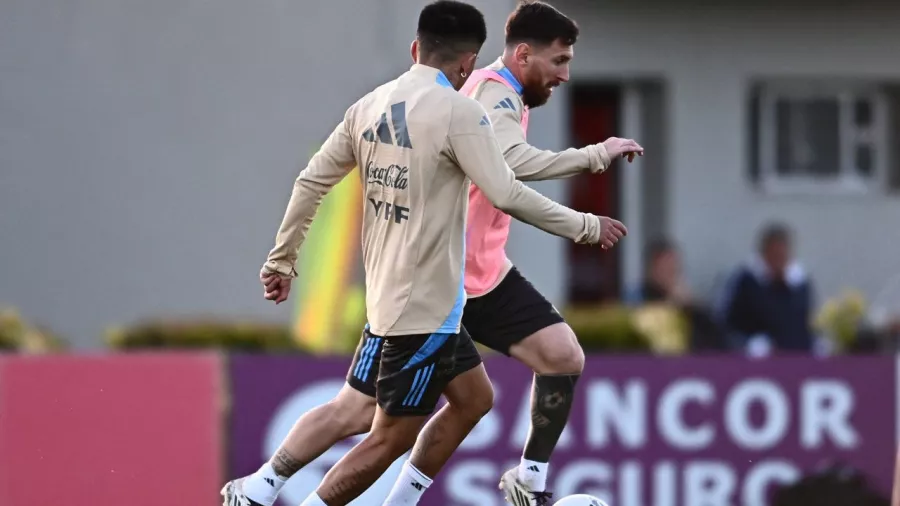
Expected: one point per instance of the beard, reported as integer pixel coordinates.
(536, 95)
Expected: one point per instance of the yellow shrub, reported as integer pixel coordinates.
(608, 327)
(840, 318)
(18, 335)
(202, 334)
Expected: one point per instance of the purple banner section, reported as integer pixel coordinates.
(644, 431)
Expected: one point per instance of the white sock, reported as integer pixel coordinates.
(263, 485)
(409, 487)
(533, 474)
(313, 500)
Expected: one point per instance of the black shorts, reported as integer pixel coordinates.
(506, 315)
(509, 313)
(408, 374)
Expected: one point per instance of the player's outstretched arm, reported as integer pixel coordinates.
(326, 169)
(474, 146)
(533, 164)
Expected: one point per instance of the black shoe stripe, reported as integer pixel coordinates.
(526, 501)
(520, 498)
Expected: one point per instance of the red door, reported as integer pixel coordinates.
(593, 273)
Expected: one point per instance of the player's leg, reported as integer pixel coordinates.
(469, 397)
(414, 372)
(556, 358)
(515, 319)
(350, 413)
(390, 438)
(406, 395)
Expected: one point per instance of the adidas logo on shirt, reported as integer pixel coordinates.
(382, 133)
(506, 103)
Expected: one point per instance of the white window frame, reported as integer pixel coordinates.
(846, 94)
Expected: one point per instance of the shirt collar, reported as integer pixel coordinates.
(501, 69)
(439, 77)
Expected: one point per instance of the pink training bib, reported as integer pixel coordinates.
(488, 227)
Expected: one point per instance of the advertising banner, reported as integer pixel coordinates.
(644, 431)
(137, 430)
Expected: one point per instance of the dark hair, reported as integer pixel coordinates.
(541, 24)
(448, 28)
(658, 247)
(772, 233)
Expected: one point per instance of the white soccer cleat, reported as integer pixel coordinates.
(233, 494)
(517, 494)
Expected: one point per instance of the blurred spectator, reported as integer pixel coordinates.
(768, 302)
(663, 282)
(662, 275)
(835, 486)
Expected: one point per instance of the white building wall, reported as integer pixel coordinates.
(148, 148)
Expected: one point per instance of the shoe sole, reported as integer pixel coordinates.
(505, 493)
(226, 494)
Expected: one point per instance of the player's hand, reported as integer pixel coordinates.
(277, 288)
(626, 148)
(611, 231)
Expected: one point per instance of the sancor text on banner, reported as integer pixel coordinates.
(644, 431)
(150, 429)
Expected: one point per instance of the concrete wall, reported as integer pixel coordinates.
(707, 55)
(147, 149)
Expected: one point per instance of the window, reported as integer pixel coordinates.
(819, 136)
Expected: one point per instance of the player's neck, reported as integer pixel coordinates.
(509, 61)
(450, 70)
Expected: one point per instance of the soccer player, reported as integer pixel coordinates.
(504, 311)
(529, 329)
(418, 143)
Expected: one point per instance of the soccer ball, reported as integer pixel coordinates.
(580, 500)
